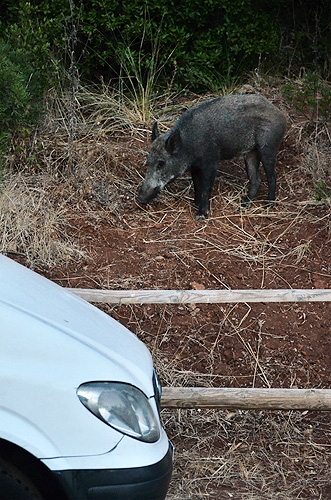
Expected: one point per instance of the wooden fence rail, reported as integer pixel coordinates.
(201, 296)
(246, 398)
(243, 398)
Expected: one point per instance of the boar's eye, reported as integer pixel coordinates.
(161, 164)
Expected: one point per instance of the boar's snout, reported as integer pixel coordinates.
(146, 195)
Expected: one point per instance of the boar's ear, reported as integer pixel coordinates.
(155, 132)
(173, 143)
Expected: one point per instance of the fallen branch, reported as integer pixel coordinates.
(246, 399)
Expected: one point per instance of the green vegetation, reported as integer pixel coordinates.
(21, 95)
(310, 94)
(143, 50)
(201, 43)
(322, 191)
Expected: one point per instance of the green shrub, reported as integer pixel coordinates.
(21, 95)
(201, 43)
(310, 94)
(38, 29)
(322, 191)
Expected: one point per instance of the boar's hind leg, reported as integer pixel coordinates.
(269, 167)
(252, 162)
(203, 180)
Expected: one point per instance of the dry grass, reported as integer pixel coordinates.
(107, 110)
(220, 455)
(110, 111)
(243, 455)
(32, 225)
(240, 455)
(249, 455)
(256, 238)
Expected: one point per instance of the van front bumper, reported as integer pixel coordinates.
(139, 483)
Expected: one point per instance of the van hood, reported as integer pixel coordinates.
(49, 313)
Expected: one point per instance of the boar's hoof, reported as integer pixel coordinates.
(201, 217)
(245, 204)
(141, 200)
(269, 205)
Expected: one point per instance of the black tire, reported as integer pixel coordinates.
(14, 485)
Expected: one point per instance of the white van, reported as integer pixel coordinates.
(79, 399)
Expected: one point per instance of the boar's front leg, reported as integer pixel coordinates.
(203, 180)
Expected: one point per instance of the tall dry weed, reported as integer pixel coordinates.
(32, 225)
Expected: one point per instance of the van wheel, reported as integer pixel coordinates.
(15, 485)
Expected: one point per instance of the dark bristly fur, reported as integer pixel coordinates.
(219, 129)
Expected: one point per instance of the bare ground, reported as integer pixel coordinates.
(118, 244)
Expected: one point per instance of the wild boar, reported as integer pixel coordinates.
(215, 130)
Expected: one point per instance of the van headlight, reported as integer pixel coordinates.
(123, 407)
(157, 390)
